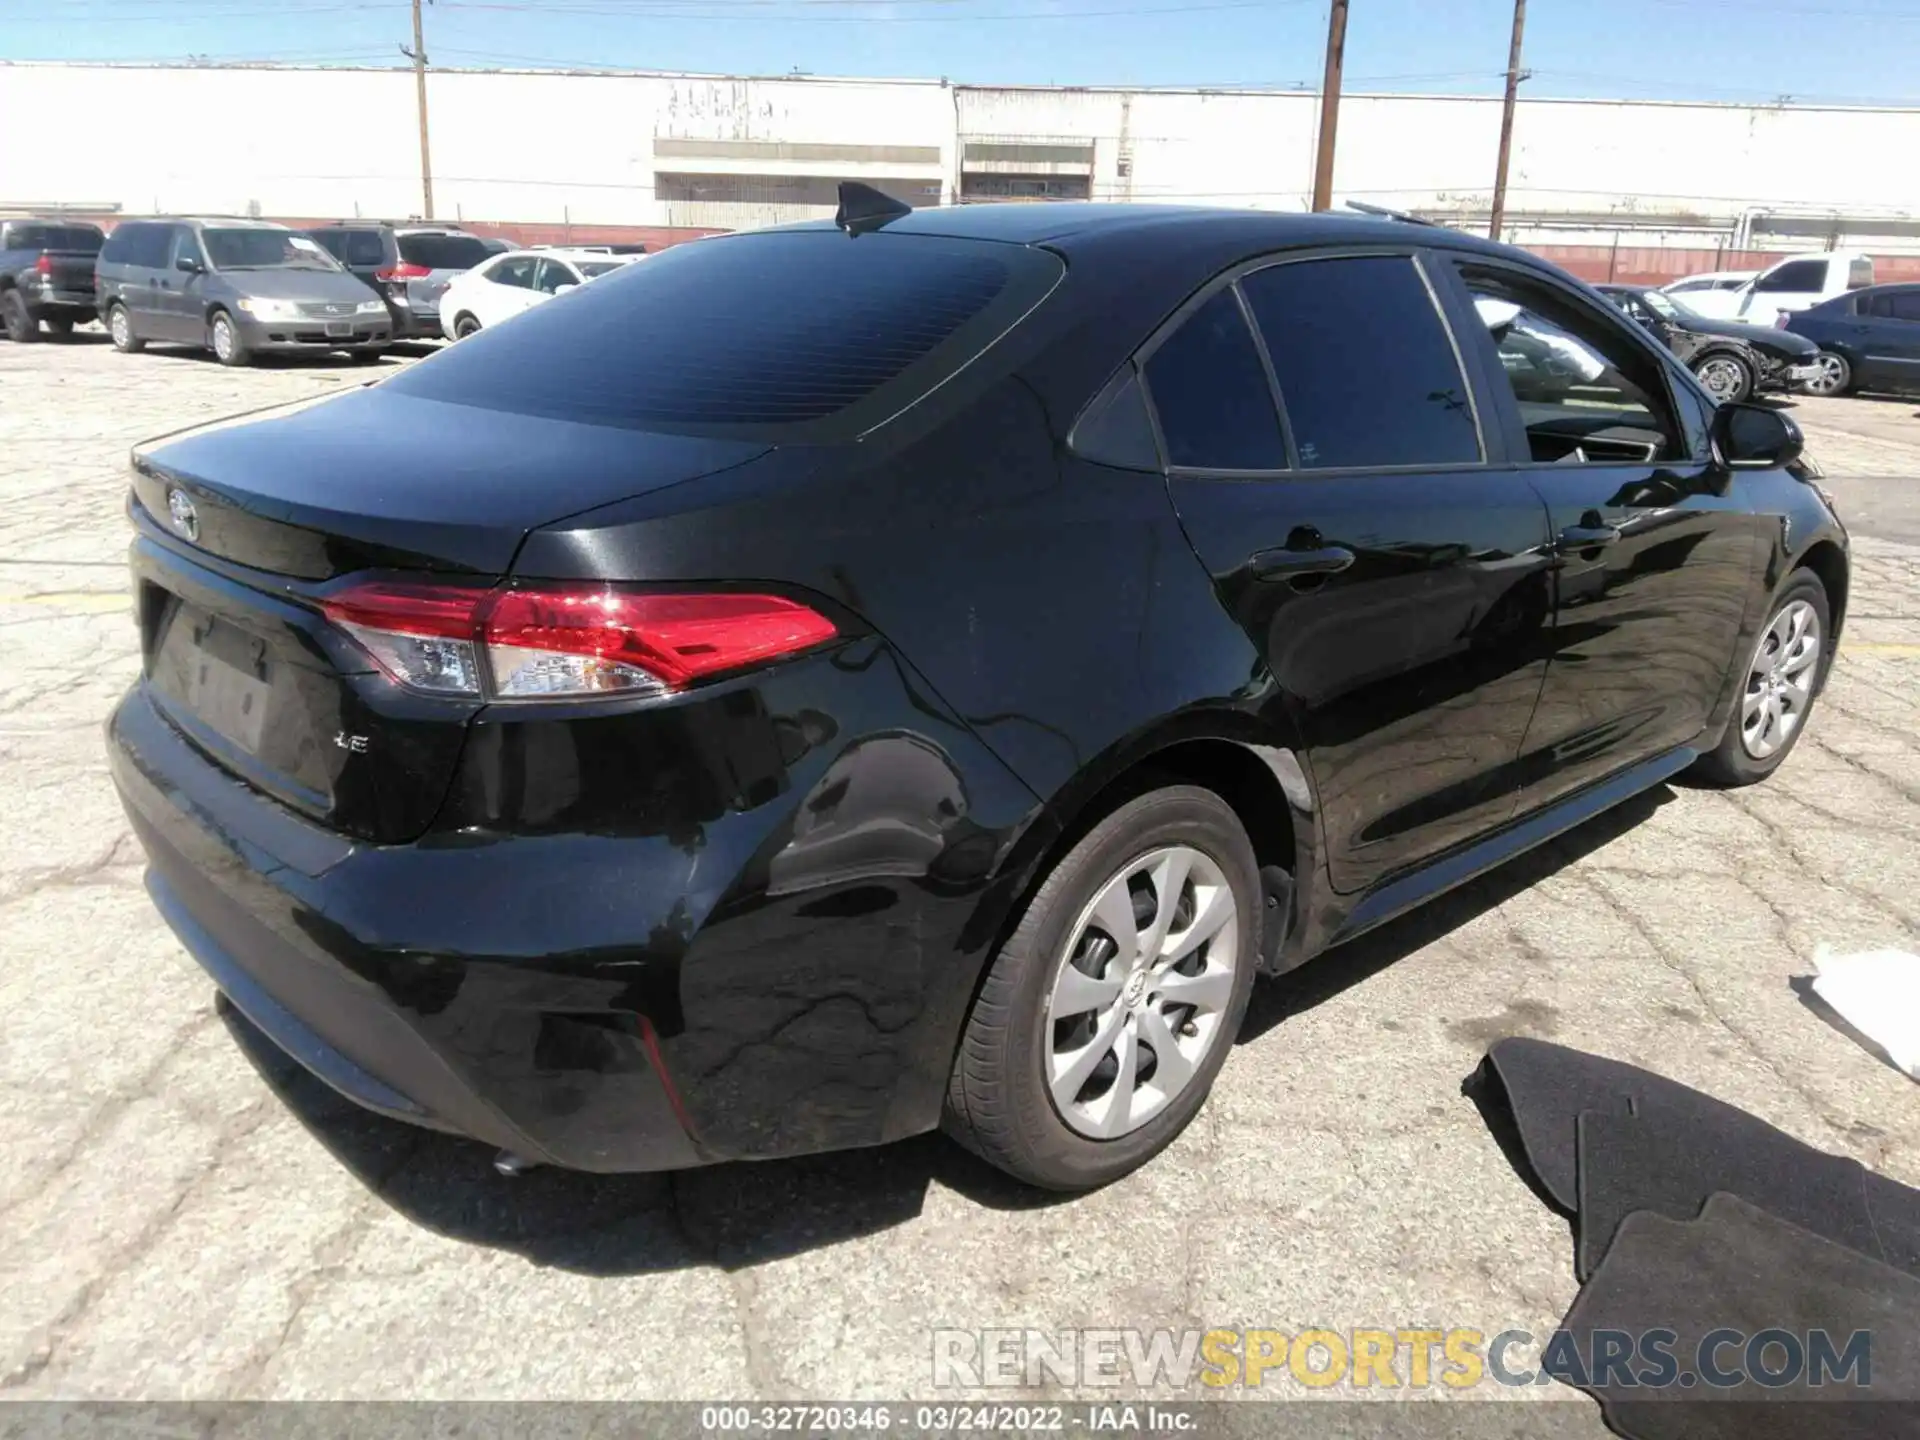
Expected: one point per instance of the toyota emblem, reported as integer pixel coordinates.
(180, 510)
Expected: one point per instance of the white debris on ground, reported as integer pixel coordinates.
(1878, 993)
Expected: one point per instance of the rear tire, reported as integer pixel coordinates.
(1042, 1045)
(120, 330)
(465, 325)
(1779, 681)
(223, 338)
(20, 325)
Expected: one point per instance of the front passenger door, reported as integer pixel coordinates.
(1653, 548)
(182, 293)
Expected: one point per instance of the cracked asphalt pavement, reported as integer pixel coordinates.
(184, 1215)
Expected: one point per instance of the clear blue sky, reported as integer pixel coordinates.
(1867, 51)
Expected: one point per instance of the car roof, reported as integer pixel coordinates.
(48, 220)
(225, 222)
(1885, 288)
(1067, 224)
(558, 253)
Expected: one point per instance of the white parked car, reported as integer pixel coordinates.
(502, 287)
(1795, 284)
(1691, 287)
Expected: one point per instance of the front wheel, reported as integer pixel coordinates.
(1781, 680)
(1727, 378)
(223, 337)
(1107, 1014)
(465, 325)
(1835, 375)
(20, 325)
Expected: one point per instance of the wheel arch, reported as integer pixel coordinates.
(1266, 784)
(1829, 564)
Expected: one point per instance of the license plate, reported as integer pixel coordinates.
(336, 328)
(228, 699)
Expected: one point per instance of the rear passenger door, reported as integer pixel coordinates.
(1653, 545)
(1330, 466)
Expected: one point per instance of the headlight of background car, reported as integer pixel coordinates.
(271, 309)
(373, 307)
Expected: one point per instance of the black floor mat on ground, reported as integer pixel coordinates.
(1669, 1164)
(1738, 1268)
(1546, 1087)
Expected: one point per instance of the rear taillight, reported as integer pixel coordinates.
(556, 642)
(405, 270)
(43, 266)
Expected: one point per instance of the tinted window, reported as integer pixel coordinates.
(138, 243)
(1211, 393)
(185, 247)
(769, 329)
(591, 268)
(1366, 371)
(1896, 305)
(353, 247)
(1116, 429)
(517, 272)
(1586, 391)
(1809, 275)
(443, 252)
(86, 239)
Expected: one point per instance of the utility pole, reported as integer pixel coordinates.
(1514, 76)
(1330, 106)
(418, 54)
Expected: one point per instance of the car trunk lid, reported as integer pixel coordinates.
(245, 529)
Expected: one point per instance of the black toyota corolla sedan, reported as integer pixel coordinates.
(828, 683)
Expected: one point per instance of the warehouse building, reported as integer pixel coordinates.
(631, 149)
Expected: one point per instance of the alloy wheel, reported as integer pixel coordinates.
(1723, 377)
(1141, 992)
(222, 337)
(1832, 378)
(1780, 680)
(119, 328)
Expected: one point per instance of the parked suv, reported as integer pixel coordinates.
(407, 265)
(46, 273)
(235, 287)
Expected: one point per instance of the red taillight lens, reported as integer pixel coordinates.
(43, 266)
(405, 270)
(555, 642)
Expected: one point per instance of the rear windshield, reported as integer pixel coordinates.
(761, 332)
(263, 250)
(443, 252)
(353, 247)
(590, 268)
(85, 239)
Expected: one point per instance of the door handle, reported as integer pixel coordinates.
(1291, 564)
(1585, 537)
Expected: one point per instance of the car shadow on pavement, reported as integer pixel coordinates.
(1328, 975)
(733, 1215)
(742, 1214)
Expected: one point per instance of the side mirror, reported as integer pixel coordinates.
(1755, 437)
(564, 288)
(188, 264)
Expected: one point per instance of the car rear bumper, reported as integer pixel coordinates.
(75, 305)
(287, 919)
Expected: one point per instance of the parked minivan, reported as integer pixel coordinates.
(409, 266)
(1791, 285)
(235, 287)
